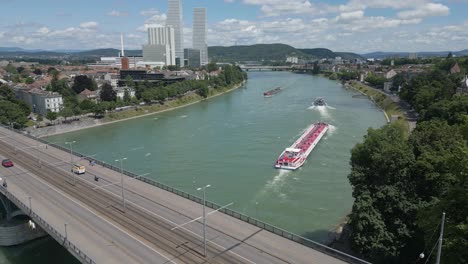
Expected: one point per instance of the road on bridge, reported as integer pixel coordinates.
(143, 231)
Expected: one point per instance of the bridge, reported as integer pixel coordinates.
(296, 68)
(128, 218)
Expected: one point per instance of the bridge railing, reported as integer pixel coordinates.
(260, 224)
(48, 228)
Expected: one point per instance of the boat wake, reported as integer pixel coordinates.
(274, 185)
(323, 110)
(183, 116)
(331, 130)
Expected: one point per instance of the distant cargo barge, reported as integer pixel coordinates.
(272, 92)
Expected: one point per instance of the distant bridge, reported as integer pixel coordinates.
(301, 68)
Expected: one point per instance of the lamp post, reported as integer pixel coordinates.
(204, 217)
(30, 207)
(71, 159)
(441, 236)
(121, 179)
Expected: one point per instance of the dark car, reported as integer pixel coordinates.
(7, 163)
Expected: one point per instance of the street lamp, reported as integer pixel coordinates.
(204, 217)
(66, 234)
(71, 159)
(30, 207)
(121, 180)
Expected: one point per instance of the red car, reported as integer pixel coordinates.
(7, 163)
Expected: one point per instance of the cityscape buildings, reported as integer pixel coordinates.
(200, 33)
(160, 49)
(174, 19)
(192, 57)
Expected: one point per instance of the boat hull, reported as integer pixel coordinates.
(302, 157)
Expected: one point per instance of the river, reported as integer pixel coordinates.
(231, 142)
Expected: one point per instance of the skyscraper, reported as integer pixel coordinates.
(199, 34)
(174, 19)
(161, 45)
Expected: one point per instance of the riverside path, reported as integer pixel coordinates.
(90, 220)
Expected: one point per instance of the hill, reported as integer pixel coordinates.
(383, 55)
(258, 52)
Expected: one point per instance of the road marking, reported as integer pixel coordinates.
(193, 220)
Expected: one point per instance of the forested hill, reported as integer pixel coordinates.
(270, 52)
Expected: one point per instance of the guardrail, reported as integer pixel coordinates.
(48, 228)
(268, 227)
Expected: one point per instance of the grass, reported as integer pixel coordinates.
(383, 101)
(148, 109)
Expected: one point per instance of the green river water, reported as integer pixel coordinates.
(232, 142)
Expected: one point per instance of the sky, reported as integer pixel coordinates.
(340, 25)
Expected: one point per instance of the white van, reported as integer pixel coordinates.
(78, 169)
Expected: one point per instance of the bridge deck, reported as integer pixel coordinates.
(98, 225)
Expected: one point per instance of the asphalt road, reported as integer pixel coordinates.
(143, 231)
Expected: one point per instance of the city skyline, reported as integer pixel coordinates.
(200, 33)
(355, 25)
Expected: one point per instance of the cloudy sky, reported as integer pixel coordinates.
(341, 25)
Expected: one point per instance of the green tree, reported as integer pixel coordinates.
(12, 113)
(127, 98)
(51, 115)
(87, 106)
(384, 213)
(82, 82)
(37, 71)
(107, 93)
(66, 112)
(11, 69)
(129, 81)
(211, 67)
(29, 80)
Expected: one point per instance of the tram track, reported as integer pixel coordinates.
(184, 247)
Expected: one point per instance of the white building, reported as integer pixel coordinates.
(293, 60)
(40, 101)
(121, 92)
(174, 19)
(200, 33)
(161, 46)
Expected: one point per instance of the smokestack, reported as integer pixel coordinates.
(122, 53)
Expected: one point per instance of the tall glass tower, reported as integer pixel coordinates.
(199, 34)
(174, 19)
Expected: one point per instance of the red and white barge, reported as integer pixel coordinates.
(294, 157)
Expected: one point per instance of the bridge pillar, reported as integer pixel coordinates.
(7, 205)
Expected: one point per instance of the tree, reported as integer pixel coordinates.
(37, 71)
(29, 80)
(107, 93)
(449, 55)
(82, 82)
(11, 69)
(66, 112)
(127, 98)
(384, 212)
(51, 115)
(203, 91)
(211, 67)
(87, 106)
(129, 81)
(12, 113)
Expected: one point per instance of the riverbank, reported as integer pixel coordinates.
(141, 111)
(391, 109)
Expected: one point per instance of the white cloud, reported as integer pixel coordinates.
(429, 9)
(116, 13)
(89, 25)
(347, 16)
(149, 12)
(43, 30)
